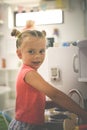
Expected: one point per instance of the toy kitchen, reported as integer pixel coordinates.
(67, 71)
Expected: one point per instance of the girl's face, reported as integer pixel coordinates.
(32, 51)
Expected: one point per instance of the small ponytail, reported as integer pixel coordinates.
(15, 33)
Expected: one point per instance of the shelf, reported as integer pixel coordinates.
(4, 89)
(8, 69)
(8, 77)
(82, 79)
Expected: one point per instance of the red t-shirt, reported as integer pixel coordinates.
(30, 103)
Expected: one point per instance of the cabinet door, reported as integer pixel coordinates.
(82, 60)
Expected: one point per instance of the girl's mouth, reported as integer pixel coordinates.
(36, 63)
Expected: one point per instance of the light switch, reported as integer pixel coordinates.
(55, 73)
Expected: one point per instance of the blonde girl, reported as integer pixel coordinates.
(31, 88)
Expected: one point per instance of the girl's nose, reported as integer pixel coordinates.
(37, 55)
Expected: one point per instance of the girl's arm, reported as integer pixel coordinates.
(57, 96)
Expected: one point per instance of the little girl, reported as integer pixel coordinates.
(31, 88)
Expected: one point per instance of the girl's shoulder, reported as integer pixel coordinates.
(26, 67)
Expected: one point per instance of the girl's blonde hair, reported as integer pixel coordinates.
(21, 35)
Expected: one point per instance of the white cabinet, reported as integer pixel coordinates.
(82, 60)
(8, 78)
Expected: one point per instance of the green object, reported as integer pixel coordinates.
(4, 121)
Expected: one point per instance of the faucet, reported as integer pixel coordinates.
(76, 91)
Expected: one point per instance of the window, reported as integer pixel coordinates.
(41, 17)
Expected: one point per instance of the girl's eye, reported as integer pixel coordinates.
(42, 51)
(31, 51)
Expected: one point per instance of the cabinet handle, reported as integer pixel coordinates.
(74, 63)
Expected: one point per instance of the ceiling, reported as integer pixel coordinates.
(20, 2)
(28, 3)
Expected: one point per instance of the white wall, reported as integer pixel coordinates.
(73, 27)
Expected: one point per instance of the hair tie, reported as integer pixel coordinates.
(18, 35)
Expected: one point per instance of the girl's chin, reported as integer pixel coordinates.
(36, 67)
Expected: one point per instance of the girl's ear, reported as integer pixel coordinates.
(18, 51)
